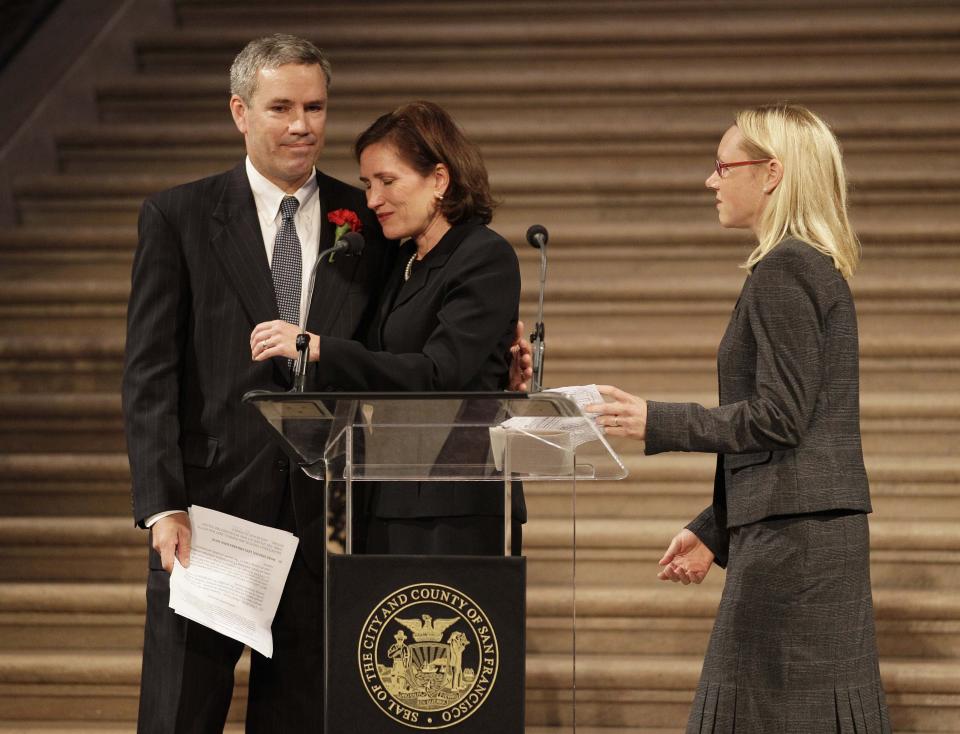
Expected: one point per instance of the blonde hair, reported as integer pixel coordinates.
(810, 202)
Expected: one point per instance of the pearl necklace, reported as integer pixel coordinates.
(407, 270)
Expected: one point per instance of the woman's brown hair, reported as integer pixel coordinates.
(425, 135)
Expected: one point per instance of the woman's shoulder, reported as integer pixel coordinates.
(795, 269)
(483, 243)
(795, 259)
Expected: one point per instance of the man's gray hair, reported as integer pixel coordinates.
(270, 52)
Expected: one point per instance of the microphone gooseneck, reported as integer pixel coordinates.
(350, 244)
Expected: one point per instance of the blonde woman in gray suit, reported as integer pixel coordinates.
(793, 647)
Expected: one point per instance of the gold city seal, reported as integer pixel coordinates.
(428, 656)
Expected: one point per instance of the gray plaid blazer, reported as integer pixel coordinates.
(787, 430)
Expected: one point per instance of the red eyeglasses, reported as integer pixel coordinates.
(721, 168)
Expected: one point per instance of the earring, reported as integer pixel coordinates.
(438, 196)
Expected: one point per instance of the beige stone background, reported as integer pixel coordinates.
(599, 120)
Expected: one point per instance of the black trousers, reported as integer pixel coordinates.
(188, 670)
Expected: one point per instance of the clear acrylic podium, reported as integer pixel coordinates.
(422, 643)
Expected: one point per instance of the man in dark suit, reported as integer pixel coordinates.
(216, 257)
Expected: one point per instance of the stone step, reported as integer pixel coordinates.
(625, 195)
(931, 86)
(202, 149)
(129, 727)
(686, 129)
(93, 251)
(558, 66)
(227, 13)
(102, 727)
(612, 690)
(723, 72)
(547, 39)
(888, 248)
(655, 110)
(61, 363)
(879, 411)
(666, 619)
(529, 202)
(43, 301)
(675, 620)
(83, 727)
(66, 484)
(680, 485)
(63, 423)
(638, 305)
(627, 277)
(684, 361)
(647, 250)
(668, 304)
(909, 486)
(620, 181)
(528, 31)
(64, 616)
(666, 359)
(905, 553)
(68, 423)
(646, 253)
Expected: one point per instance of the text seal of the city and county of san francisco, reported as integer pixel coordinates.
(428, 656)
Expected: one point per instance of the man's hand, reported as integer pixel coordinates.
(171, 537)
(687, 559)
(521, 361)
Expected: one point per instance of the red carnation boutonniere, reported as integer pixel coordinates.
(345, 221)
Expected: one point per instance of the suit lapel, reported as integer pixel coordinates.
(434, 260)
(238, 244)
(389, 297)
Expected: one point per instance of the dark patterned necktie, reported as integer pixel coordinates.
(287, 263)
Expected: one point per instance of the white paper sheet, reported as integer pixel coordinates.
(236, 576)
(578, 431)
(558, 435)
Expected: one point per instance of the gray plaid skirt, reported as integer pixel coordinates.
(793, 648)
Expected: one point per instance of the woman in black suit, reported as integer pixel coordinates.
(793, 647)
(446, 321)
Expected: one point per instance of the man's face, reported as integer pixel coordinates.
(284, 123)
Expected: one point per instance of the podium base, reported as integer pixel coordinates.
(424, 643)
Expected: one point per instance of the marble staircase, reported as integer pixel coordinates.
(600, 121)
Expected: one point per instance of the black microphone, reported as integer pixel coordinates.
(350, 244)
(537, 236)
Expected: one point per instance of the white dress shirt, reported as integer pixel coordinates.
(267, 197)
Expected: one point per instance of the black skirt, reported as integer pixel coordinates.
(793, 648)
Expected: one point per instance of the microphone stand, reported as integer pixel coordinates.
(537, 337)
(352, 243)
(537, 237)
